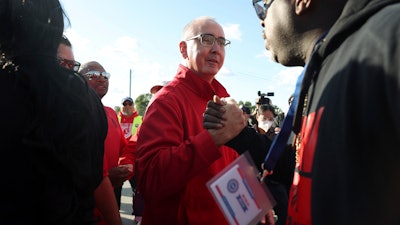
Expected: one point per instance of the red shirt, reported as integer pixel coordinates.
(116, 149)
(115, 141)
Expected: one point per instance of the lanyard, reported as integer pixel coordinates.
(280, 141)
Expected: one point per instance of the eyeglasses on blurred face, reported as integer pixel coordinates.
(127, 103)
(96, 75)
(261, 7)
(69, 64)
(209, 40)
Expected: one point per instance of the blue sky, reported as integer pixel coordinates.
(143, 37)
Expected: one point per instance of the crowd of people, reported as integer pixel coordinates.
(331, 159)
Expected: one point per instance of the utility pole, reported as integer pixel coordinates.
(130, 81)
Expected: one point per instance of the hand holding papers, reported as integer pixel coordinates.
(243, 199)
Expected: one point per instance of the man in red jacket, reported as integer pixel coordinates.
(118, 156)
(176, 157)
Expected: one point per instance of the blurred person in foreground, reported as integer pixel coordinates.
(118, 156)
(53, 144)
(352, 73)
(175, 155)
(104, 193)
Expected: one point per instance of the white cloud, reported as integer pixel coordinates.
(232, 32)
(127, 61)
(224, 72)
(265, 54)
(78, 42)
(288, 76)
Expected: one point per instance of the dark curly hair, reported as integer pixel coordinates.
(27, 26)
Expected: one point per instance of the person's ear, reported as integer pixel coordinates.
(302, 6)
(183, 49)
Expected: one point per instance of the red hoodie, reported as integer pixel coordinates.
(176, 156)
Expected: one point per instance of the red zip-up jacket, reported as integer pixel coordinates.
(115, 145)
(176, 156)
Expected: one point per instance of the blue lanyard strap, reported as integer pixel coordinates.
(280, 141)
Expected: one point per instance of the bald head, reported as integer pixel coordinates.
(90, 66)
(195, 26)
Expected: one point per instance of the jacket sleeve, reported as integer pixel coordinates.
(129, 154)
(172, 148)
(255, 143)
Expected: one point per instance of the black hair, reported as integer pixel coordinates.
(53, 127)
(28, 26)
(265, 107)
(65, 41)
(245, 109)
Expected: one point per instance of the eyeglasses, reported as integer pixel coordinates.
(127, 103)
(96, 75)
(69, 64)
(209, 40)
(261, 7)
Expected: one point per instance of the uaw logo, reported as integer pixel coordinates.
(233, 185)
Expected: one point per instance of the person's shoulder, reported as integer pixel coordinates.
(109, 110)
(137, 116)
(168, 94)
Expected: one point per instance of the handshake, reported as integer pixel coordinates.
(223, 119)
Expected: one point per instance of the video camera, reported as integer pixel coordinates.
(263, 99)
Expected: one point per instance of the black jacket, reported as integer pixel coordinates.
(54, 128)
(350, 170)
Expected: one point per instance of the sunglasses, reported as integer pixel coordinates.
(127, 103)
(69, 64)
(209, 40)
(261, 7)
(96, 75)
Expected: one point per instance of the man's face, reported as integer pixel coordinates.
(205, 60)
(279, 33)
(127, 108)
(99, 84)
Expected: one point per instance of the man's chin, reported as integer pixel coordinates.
(273, 56)
(103, 93)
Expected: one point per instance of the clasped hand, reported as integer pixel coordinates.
(223, 119)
